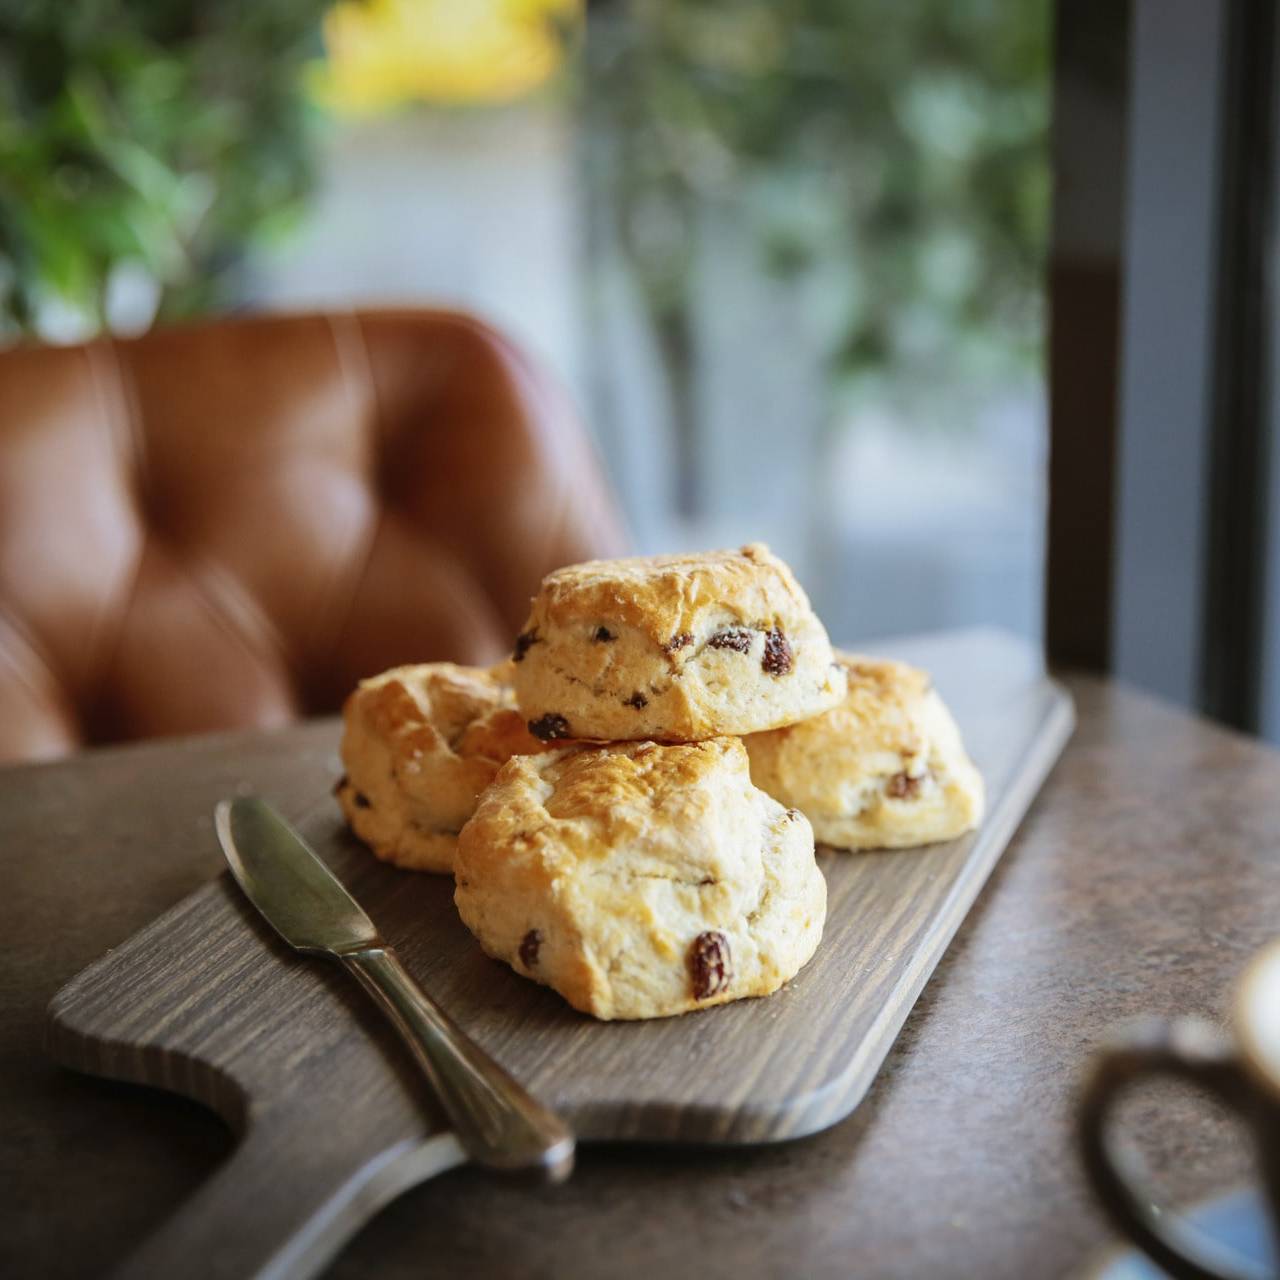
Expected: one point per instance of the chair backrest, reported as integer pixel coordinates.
(227, 525)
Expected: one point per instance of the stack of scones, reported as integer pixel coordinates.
(630, 803)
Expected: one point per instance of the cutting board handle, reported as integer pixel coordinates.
(315, 1159)
(267, 1215)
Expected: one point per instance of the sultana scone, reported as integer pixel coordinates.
(640, 879)
(885, 770)
(420, 744)
(673, 648)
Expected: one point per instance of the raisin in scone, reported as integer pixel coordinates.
(641, 879)
(886, 769)
(420, 744)
(673, 648)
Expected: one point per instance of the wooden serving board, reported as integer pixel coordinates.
(334, 1119)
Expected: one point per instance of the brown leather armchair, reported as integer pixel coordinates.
(227, 525)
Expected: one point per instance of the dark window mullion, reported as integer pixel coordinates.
(1231, 674)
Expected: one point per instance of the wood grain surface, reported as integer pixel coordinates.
(206, 1002)
(1141, 881)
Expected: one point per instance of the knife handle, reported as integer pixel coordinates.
(498, 1124)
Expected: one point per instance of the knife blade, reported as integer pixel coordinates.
(297, 895)
(497, 1122)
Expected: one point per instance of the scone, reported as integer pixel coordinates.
(885, 770)
(420, 744)
(673, 648)
(641, 879)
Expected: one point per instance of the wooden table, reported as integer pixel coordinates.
(1144, 876)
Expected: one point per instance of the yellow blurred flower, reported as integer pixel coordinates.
(381, 53)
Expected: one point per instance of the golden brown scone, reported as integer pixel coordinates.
(673, 648)
(640, 879)
(419, 745)
(885, 769)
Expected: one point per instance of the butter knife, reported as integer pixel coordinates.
(498, 1124)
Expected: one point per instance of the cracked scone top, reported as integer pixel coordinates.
(673, 648)
(885, 769)
(419, 745)
(641, 879)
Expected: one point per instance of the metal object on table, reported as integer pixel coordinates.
(497, 1122)
(1239, 1069)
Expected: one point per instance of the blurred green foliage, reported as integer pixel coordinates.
(900, 149)
(159, 133)
(897, 149)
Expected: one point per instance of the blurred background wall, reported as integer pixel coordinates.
(788, 257)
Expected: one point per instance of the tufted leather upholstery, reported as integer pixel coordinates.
(228, 525)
